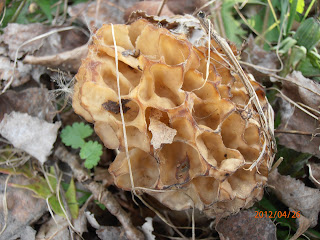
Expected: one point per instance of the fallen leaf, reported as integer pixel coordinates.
(65, 61)
(255, 55)
(303, 225)
(299, 120)
(14, 35)
(23, 209)
(31, 134)
(147, 229)
(296, 195)
(161, 133)
(94, 15)
(34, 101)
(56, 228)
(244, 225)
(314, 173)
(150, 7)
(111, 233)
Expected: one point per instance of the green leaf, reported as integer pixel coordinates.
(231, 26)
(72, 200)
(45, 6)
(299, 5)
(308, 33)
(73, 135)
(91, 152)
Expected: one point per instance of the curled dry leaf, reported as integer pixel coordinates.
(31, 134)
(244, 225)
(296, 195)
(303, 224)
(34, 101)
(65, 61)
(300, 121)
(23, 209)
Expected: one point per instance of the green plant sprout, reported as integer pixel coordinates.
(73, 136)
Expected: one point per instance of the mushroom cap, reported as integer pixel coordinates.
(192, 131)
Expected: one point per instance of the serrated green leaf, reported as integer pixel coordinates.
(73, 135)
(231, 26)
(91, 153)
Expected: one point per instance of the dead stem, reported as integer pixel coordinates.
(99, 192)
(161, 7)
(296, 132)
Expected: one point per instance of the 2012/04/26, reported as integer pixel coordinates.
(277, 214)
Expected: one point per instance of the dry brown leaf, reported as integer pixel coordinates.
(314, 173)
(31, 134)
(244, 225)
(296, 195)
(16, 34)
(300, 121)
(108, 11)
(161, 133)
(23, 209)
(150, 7)
(303, 225)
(65, 61)
(34, 101)
(255, 55)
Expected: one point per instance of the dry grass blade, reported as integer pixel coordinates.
(5, 205)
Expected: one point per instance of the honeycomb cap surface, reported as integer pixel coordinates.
(191, 138)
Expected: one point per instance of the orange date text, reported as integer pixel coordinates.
(277, 214)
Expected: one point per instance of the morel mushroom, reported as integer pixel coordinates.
(192, 131)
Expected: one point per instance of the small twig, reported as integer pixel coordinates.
(161, 7)
(296, 132)
(99, 193)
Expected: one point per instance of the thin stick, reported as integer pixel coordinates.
(161, 7)
(278, 131)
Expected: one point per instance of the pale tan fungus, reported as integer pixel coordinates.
(192, 139)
